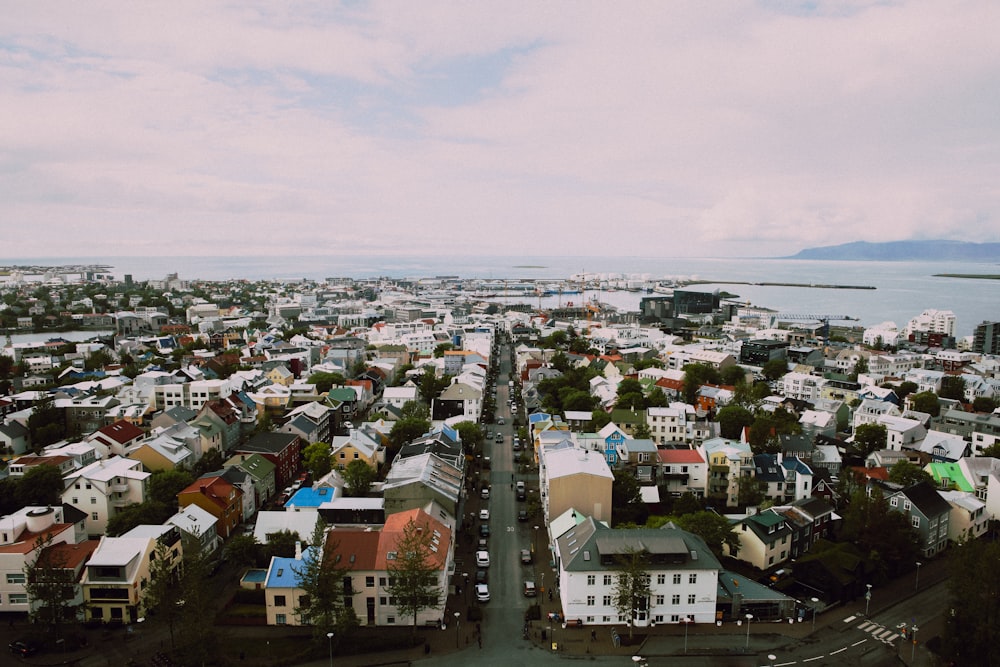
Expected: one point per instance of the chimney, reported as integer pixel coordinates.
(298, 550)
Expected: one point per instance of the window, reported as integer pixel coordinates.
(894, 502)
(369, 582)
(691, 599)
(381, 582)
(916, 521)
(677, 579)
(607, 580)
(590, 601)
(15, 578)
(93, 500)
(906, 505)
(279, 619)
(660, 599)
(383, 600)
(591, 579)
(97, 612)
(93, 515)
(279, 600)
(675, 599)
(661, 579)
(74, 501)
(692, 578)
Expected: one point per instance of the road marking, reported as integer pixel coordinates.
(818, 657)
(785, 664)
(881, 635)
(866, 626)
(839, 650)
(860, 642)
(849, 619)
(891, 638)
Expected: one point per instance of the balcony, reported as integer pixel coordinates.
(119, 488)
(119, 503)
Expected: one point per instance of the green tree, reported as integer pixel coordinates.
(46, 424)
(430, 386)
(242, 551)
(884, 536)
(321, 579)
(627, 499)
(751, 491)
(316, 459)
(687, 503)
(358, 478)
(632, 585)
(657, 399)
(695, 377)
(984, 404)
(750, 396)
(774, 369)
(49, 584)
(281, 544)
(991, 451)
(870, 438)
(905, 389)
(974, 614)
(210, 461)
(641, 431)
(598, 420)
(630, 395)
(151, 512)
(413, 573)
(164, 592)
(905, 473)
(325, 381)
(732, 420)
(952, 387)
(441, 348)
(472, 437)
(164, 485)
(40, 485)
(860, 368)
(733, 376)
(714, 528)
(926, 401)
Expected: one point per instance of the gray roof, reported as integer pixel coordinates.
(593, 546)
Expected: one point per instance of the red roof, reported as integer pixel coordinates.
(679, 456)
(122, 431)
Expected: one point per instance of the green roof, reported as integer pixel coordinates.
(952, 472)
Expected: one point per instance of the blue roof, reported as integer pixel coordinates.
(539, 417)
(311, 496)
(285, 572)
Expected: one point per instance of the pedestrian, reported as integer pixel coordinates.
(593, 635)
(550, 596)
(480, 641)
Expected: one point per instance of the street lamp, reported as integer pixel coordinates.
(749, 618)
(458, 615)
(916, 584)
(329, 637)
(814, 601)
(868, 598)
(687, 622)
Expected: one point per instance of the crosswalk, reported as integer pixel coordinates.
(879, 632)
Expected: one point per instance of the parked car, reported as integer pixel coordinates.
(525, 556)
(500, 421)
(23, 647)
(485, 493)
(520, 485)
(522, 515)
(521, 496)
(484, 530)
(484, 514)
(529, 589)
(482, 558)
(483, 543)
(482, 593)
(482, 576)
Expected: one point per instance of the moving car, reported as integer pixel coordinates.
(525, 556)
(529, 589)
(482, 593)
(482, 558)
(500, 421)
(22, 647)
(522, 515)
(499, 437)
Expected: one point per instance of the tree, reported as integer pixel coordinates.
(774, 369)
(641, 431)
(320, 578)
(992, 451)
(630, 395)
(732, 420)
(883, 535)
(430, 386)
(46, 424)
(472, 437)
(695, 376)
(414, 410)
(441, 348)
(974, 586)
(242, 550)
(952, 387)
(413, 573)
(870, 438)
(325, 381)
(49, 584)
(984, 404)
(657, 399)
(632, 585)
(210, 461)
(164, 592)
(358, 478)
(750, 396)
(41, 485)
(714, 528)
(688, 503)
(281, 544)
(905, 389)
(151, 512)
(598, 419)
(733, 376)
(905, 473)
(316, 459)
(164, 485)
(751, 491)
(860, 368)
(627, 499)
(926, 401)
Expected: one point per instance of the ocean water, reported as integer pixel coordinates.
(903, 289)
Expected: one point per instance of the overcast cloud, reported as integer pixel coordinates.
(580, 128)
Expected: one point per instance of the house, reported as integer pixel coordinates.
(310, 421)
(365, 444)
(728, 460)
(114, 578)
(116, 439)
(683, 574)
(260, 470)
(281, 449)
(669, 424)
(928, 513)
(14, 438)
(575, 478)
(219, 498)
(400, 396)
(459, 399)
(765, 540)
(198, 527)
(968, 519)
(682, 471)
(414, 481)
(104, 488)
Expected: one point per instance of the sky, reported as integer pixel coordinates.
(674, 129)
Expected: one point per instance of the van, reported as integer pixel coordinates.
(529, 589)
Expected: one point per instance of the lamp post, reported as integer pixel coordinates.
(749, 618)
(329, 637)
(458, 615)
(814, 601)
(913, 648)
(868, 598)
(687, 622)
(916, 583)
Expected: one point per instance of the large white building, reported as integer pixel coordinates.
(683, 574)
(104, 488)
(933, 321)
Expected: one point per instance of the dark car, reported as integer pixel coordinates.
(22, 647)
(484, 530)
(521, 496)
(482, 576)
(522, 515)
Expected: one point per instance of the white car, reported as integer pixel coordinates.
(482, 559)
(484, 514)
(482, 593)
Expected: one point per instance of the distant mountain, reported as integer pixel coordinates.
(905, 251)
